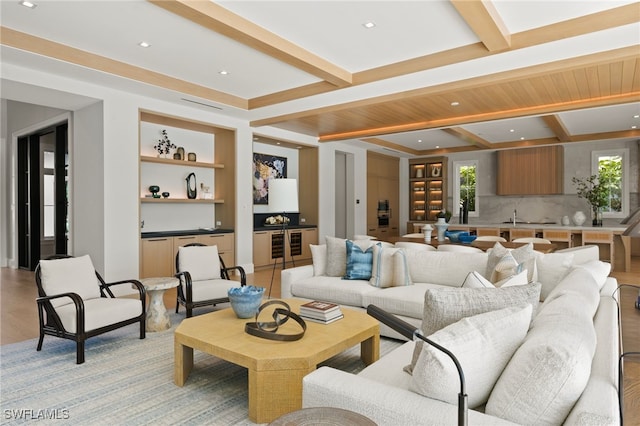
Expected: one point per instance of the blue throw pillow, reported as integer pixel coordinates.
(359, 263)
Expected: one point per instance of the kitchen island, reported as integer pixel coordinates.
(614, 246)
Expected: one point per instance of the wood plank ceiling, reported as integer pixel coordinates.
(607, 78)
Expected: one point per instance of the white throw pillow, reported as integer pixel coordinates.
(389, 267)
(319, 258)
(72, 275)
(552, 268)
(444, 306)
(506, 267)
(476, 280)
(483, 345)
(551, 368)
(202, 262)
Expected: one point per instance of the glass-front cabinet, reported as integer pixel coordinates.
(427, 187)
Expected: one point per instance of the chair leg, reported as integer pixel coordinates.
(177, 304)
(80, 352)
(189, 312)
(40, 342)
(143, 327)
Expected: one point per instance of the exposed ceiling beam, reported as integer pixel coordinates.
(41, 46)
(484, 20)
(557, 127)
(469, 137)
(598, 21)
(390, 145)
(216, 18)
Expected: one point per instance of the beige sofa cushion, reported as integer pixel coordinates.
(443, 268)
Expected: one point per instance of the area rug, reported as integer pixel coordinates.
(125, 380)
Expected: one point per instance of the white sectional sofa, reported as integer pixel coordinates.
(564, 371)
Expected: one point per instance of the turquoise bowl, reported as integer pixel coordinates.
(467, 239)
(245, 300)
(454, 236)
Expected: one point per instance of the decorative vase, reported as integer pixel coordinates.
(181, 153)
(579, 218)
(435, 171)
(565, 221)
(245, 300)
(192, 191)
(597, 217)
(191, 156)
(419, 173)
(426, 230)
(441, 225)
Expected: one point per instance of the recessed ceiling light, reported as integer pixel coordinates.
(144, 44)
(223, 72)
(437, 146)
(369, 25)
(522, 138)
(636, 116)
(455, 103)
(28, 4)
(512, 130)
(419, 140)
(277, 143)
(634, 127)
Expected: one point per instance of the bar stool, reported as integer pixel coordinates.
(521, 233)
(562, 236)
(600, 237)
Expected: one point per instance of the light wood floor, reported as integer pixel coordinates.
(19, 320)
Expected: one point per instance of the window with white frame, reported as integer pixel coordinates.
(465, 184)
(614, 165)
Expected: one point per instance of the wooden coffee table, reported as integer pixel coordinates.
(275, 368)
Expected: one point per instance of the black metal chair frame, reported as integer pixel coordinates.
(50, 324)
(186, 300)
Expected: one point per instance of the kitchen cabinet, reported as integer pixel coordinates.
(427, 188)
(270, 246)
(157, 257)
(530, 171)
(159, 254)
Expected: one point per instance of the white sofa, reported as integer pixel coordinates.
(384, 393)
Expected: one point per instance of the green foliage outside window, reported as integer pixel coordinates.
(610, 172)
(468, 186)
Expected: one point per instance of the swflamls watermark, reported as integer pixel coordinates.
(36, 414)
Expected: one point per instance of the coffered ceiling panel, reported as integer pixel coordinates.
(457, 75)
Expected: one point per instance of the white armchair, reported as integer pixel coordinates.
(75, 303)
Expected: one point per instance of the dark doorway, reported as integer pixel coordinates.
(42, 195)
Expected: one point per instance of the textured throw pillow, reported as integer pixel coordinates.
(524, 256)
(319, 258)
(483, 345)
(359, 262)
(551, 368)
(336, 257)
(72, 275)
(445, 305)
(202, 262)
(389, 267)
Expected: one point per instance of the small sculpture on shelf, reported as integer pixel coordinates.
(192, 191)
(154, 189)
(206, 192)
(165, 194)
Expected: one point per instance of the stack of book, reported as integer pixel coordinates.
(322, 312)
